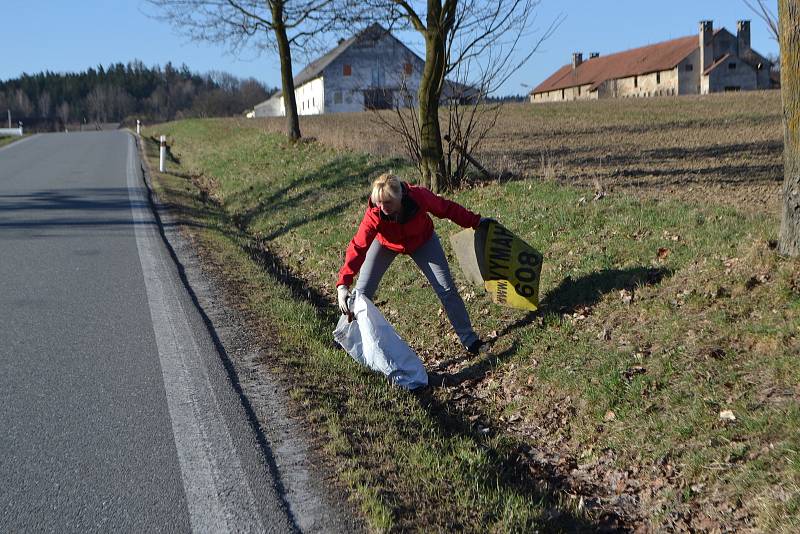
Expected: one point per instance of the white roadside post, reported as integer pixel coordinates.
(138, 127)
(162, 160)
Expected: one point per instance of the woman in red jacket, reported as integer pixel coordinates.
(397, 222)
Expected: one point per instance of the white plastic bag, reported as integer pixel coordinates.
(372, 341)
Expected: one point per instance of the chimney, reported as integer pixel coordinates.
(593, 55)
(577, 59)
(706, 45)
(743, 35)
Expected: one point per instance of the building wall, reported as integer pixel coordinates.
(372, 65)
(380, 64)
(689, 74)
(662, 83)
(271, 108)
(566, 95)
(725, 43)
(732, 74)
(311, 97)
(762, 75)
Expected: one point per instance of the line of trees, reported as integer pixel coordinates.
(49, 100)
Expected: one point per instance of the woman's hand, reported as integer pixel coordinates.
(342, 293)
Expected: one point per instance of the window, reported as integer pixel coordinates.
(408, 69)
(658, 77)
(731, 66)
(689, 67)
(579, 90)
(562, 94)
(347, 70)
(337, 97)
(636, 81)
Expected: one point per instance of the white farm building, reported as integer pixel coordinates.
(371, 70)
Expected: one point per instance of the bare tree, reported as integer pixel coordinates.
(471, 38)
(759, 7)
(274, 25)
(22, 104)
(471, 78)
(63, 113)
(44, 104)
(97, 101)
(789, 31)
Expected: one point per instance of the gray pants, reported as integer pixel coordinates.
(431, 261)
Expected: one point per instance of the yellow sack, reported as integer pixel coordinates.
(503, 263)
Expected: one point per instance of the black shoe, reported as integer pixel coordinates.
(476, 347)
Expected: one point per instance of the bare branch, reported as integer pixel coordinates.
(767, 15)
(412, 15)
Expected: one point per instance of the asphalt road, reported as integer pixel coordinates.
(116, 413)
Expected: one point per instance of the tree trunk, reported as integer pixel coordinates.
(287, 82)
(789, 21)
(432, 163)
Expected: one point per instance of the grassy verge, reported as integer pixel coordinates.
(657, 317)
(7, 139)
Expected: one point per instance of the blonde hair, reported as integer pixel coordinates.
(385, 186)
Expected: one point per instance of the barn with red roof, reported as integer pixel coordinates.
(713, 61)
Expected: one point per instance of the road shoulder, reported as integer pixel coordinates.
(316, 502)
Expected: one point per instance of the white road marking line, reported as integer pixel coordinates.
(209, 464)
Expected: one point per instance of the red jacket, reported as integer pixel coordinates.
(412, 231)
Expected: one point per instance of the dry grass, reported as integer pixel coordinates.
(657, 316)
(7, 140)
(689, 147)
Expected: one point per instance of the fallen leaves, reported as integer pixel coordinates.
(626, 296)
(631, 372)
(754, 281)
(581, 313)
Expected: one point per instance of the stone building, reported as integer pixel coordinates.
(711, 62)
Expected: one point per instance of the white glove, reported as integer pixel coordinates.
(342, 293)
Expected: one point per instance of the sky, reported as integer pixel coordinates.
(63, 36)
